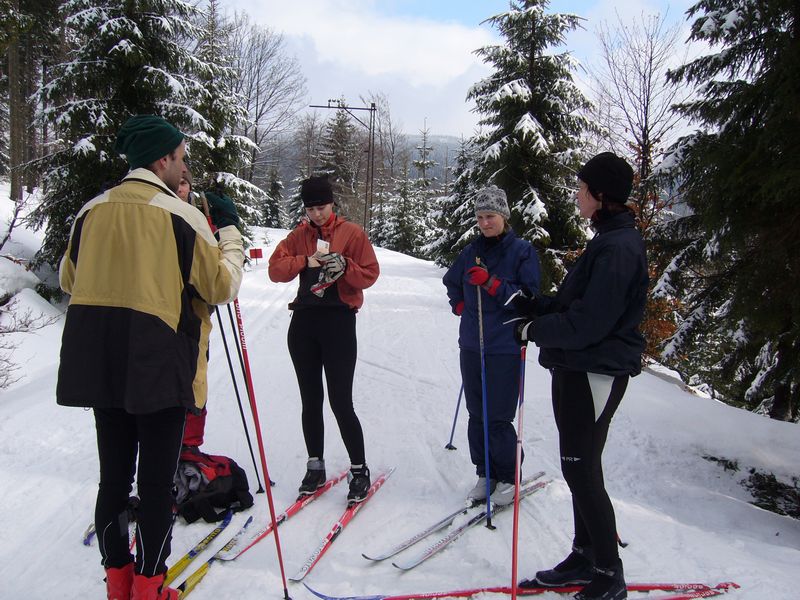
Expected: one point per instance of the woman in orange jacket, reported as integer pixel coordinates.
(335, 262)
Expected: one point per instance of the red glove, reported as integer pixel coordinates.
(478, 275)
(458, 308)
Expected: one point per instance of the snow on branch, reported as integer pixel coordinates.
(529, 128)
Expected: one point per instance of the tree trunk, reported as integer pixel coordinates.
(781, 406)
(16, 110)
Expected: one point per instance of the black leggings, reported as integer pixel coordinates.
(582, 437)
(325, 338)
(157, 439)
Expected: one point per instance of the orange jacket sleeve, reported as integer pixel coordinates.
(289, 257)
(362, 265)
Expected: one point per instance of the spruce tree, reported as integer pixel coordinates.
(454, 217)
(124, 57)
(216, 152)
(422, 192)
(339, 157)
(405, 215)
(532, 125)
(739, 175)
(294, 210)
(272, 205)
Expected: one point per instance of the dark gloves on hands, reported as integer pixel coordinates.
(223, 211)
(333, 265)
(524, 302)
(522, 331)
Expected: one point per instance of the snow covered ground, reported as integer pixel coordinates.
(685, 519)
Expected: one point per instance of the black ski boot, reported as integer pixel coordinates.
(315, 476)
(608, 583)
(359, 484)
(576, 569)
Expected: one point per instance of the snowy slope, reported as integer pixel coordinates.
(684, 517)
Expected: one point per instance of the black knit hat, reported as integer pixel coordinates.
(144, 139)
(316, 191)
(609, 175)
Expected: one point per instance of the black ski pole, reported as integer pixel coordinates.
(449, 444)
(239, 399)
(236, 338)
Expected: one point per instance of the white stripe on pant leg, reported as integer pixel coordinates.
(600, 386)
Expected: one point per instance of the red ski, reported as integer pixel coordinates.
(685, 591)
(337, 528)
(298, 505)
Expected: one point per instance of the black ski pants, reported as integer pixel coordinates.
(583, 404)
(156, 437)
(325, 339)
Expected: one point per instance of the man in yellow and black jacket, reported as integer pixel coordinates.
(137, 258)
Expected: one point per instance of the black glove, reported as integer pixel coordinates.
(333, 265)
(223, 211)
(524, 302)
(522, 332)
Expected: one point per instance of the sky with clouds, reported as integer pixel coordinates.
(419, 53)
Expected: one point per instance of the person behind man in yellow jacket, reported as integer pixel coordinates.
(137, 257)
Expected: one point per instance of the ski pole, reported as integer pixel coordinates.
(515, 532)
(241, 364)
(485, 408)
(254, 410)
(239, 400)
(449, 444)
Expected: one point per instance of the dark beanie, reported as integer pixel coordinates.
(609, 175)
(316, 191)
(144, 139)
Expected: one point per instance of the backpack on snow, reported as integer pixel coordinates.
(205, 483)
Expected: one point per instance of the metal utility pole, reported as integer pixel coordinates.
(370, 172)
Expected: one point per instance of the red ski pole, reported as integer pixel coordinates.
(515, 535)
(254, 409)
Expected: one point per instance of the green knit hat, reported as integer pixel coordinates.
(144, 139)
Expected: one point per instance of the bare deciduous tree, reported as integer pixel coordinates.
(272, 88)
(634, 100)
(13, 320)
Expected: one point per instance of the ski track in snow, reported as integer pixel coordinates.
(684, 517)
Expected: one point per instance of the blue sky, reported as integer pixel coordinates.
(419, 53)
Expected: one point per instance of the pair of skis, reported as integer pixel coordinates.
(528, 487)
(337, 528)
(679, 591)
(233, 549)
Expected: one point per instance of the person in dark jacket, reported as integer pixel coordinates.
(588, 337)
(495, 265)
(334, 262)
(136, 260)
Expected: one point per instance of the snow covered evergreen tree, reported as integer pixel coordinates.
(215, 148)
(272, 205)
(532, 125)
(404, 216)
(294, 209)
(739, 271)
(339, 156)
(454, 217)
(124, 57)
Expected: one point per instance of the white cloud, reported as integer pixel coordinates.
(351, 34)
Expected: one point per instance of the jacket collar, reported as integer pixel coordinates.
(618, 221)
(147, 176)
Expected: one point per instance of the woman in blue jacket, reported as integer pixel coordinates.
(588, 337)
(495, 265)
